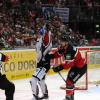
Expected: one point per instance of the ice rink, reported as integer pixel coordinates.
(23, 90)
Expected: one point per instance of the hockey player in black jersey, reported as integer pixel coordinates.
(5, 84)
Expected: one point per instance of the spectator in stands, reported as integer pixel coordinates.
(25, 20)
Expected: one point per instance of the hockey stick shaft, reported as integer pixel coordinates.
(62, 77)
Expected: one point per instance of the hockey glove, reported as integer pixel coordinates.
(58, 68)
(3, 77)
(6, 58)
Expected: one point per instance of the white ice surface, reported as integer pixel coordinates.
(23, 90)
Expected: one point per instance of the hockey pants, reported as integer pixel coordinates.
(8, 86)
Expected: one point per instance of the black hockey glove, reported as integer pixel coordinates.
(58, 68)
(3, 77)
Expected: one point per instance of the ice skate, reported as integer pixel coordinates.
(44, 97)
(35, 97)
(70, 97)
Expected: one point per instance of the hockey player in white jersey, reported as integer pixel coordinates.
(43, 47)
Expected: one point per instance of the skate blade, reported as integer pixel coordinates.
(44, 99)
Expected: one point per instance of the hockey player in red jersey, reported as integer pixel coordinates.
(5, 84)
(74, 61)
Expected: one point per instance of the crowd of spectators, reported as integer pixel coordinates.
(21, 19)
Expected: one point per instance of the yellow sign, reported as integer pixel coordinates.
(20, 65)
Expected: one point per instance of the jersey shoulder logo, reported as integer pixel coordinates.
(46, 39)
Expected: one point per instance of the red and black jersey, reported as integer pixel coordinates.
(72, 57)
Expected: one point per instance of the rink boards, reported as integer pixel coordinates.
(23, 62)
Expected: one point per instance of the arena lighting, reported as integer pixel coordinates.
(97, 26)
(97, 31)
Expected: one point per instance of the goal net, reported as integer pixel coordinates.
(92, 75)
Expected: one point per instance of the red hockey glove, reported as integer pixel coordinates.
(58, 68)
(6, 58)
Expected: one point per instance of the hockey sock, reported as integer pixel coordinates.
(69, 88)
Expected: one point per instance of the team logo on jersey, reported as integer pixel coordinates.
(68, 56)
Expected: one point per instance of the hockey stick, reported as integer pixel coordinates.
(62, 87)
(59, 74)
(62, 77)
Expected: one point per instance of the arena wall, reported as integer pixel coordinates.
(22, 63)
